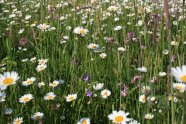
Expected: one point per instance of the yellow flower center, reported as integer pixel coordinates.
(71, 98)
(37, 117)
(54, 84)
(18, 122)
(179, 88)
(41, 68)
(82, 31)
(113, 8)
(183, 78)
(93, 46)
(84, 122)
(8, 81)
(29, 82)
(43, 27)
(42, 62)
(144, 99)
(119, 119)
(105, 94)
(26, 99)
(50, 97)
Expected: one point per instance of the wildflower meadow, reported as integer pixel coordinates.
(92, 62)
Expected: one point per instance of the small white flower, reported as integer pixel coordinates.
(98, 86)
(21, 31)
(117, 28)
(43, 27)
(41, 84)
(49, 96)
(66, 37)
(165, 51)
(81, 31)
(18, 120)
(143, 98)
(152, 99)
(149, 116)
(122, 49)
(140, 23)
(142, 69)
(63, 41)
(41, 67)
(71, 97)
(33, 59)
(133, 122)
(174, 43)
(27, 17)
(37, 116)
(179, 73)
(84, 121)
(113, 8)
(162, 74)
(42, 61)
(105, 93)
(26, 98)
(179, 87)
(54, 84)
(29, 81)
(93, 46)
(119, 117)
(103, 55)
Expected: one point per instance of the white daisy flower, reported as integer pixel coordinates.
(71, 97)
(119, 117)
(179, 73)
(26, 98)
(54, 84)
(37, 116)
(41, 67)
(49, 96)
(43, 26)
(179, 87)
(81, 31)
(8, 78)
(18, 120)
(93, 46)
(29, 81)
(105, 93)
(84, 121)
